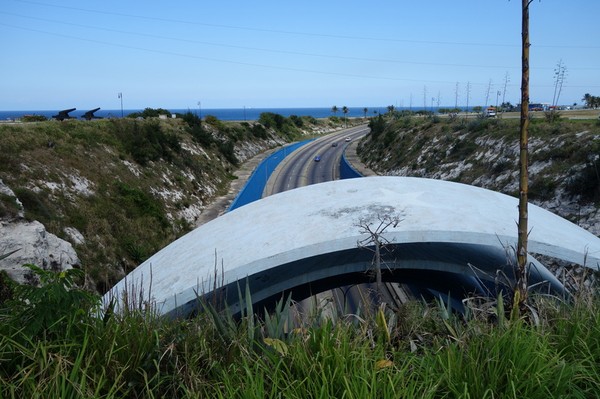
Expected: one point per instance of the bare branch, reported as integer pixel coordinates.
(375, 238)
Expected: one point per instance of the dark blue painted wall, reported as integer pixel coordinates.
(346, 170)
(255, 185)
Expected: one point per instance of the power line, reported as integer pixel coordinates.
(297, 33)
(277, 51)
(170, 53)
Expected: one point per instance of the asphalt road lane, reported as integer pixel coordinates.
(300, 168)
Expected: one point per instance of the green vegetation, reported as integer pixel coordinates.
(33, 118)
(591, 101)
(127, 185)
(565, 152)
(146, 141)
(9, 208)
(280, 123)
(586, 182)
(55, 344)
(150, 113)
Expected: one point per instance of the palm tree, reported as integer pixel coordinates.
(365, 110)
(334, 109)
(587, 98)
(390, 109)
(345, 111)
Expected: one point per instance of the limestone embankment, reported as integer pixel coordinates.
(564, 167)
(104, 195)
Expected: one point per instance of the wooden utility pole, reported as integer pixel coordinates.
(522, 269)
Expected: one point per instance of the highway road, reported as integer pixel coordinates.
(300, 168)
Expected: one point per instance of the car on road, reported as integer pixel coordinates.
(317, 158)
(347, 138)
(334, 144)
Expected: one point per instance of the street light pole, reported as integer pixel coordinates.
(121, 97)
(200, 108)
(497, 110)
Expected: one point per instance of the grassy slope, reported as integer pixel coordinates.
(129, 187)
(484, 152)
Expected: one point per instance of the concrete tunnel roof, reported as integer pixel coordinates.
(323, 218)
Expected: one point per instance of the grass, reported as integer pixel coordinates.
(563, 153)
(417, 351)
(128, 186)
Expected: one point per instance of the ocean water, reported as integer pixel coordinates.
(225, 114)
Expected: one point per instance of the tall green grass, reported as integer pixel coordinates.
(418, 351)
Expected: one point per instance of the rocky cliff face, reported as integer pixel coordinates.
(29, 243)
(564, 158)
(104, 195)
(564, 171)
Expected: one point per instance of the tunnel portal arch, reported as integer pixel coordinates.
(305, 240)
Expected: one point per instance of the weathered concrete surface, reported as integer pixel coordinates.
(308, 222)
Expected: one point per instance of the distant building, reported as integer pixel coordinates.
(537, 106)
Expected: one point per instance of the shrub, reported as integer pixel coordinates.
(259, 131)
(586, 183)
(226, 148)
(7, 286)
(146, 141)
(389, 137)
(9, 208)
(33, 118)
(137, 203)
(272, 120)
(462, 149)
(201, 135)
(191, 119)
(480, 124)
(542, 188)
(150, 113)
(52, 308)
(297, 120)
(36, 205)
(215, 122)
(377, 126)
(552, 116)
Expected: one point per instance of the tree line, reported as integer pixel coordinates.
(591, 101)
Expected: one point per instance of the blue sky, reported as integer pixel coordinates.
(231, 54)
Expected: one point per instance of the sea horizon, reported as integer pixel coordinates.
(225, 114)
